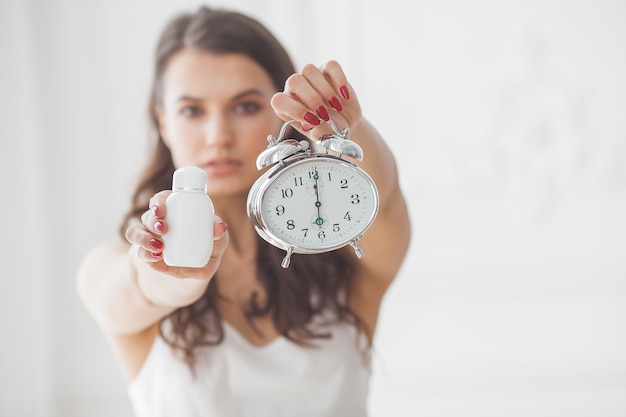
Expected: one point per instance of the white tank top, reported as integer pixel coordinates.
(238, 379)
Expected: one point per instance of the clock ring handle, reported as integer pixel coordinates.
(280, 148)
(343, 134)
(281, 134)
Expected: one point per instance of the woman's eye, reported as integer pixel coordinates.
(191, 111)
(248, 107)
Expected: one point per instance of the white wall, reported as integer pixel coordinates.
(26, 346)
(507, 119)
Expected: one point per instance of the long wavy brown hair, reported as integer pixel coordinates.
(312, 285)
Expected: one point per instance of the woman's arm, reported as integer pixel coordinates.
(386, 242)
(113, 284)
(127, 288)
(313, 96)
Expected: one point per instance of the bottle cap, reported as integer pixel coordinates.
(189, 178)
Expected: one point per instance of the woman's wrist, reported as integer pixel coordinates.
(161, 289)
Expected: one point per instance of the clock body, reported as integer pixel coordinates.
(313, 203)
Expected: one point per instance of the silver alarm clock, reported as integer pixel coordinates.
(312, 200)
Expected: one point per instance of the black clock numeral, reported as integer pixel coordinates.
(348, 217)
(305, 231)
(355, 199)
(321, 235)
(297, 181)
(336, 227)
(287, 193)
(291, 224)
(280, 210)
(344, 183)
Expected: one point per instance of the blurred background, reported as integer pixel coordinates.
(508, 122)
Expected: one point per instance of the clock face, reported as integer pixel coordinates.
(316, 204)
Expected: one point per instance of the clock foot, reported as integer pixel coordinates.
(357, 250)
(287, 258)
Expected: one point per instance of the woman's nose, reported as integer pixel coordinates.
(218, 131)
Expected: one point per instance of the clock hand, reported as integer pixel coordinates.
(319, 221)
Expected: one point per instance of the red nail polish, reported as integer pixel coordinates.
(158, 226)
(156, 244)
(335, 104)
(221, 227)
(344, 92)
(322, 113)
(155, 255)
(311, 118)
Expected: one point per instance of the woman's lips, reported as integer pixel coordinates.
(222, 166)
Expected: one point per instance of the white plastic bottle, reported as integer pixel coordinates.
(189, 214)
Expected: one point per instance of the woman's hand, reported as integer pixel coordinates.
(316, 94)
(147, 237)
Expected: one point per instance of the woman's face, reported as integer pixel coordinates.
(216, 115)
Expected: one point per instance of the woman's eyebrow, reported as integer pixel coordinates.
(188, 98)
(252, 91)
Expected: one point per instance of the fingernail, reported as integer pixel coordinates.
(155, 255)
(221, 227)
(306, 128)
(344, 92)
(311, 118)
(158, 226)
(322, 113)
(335, 104)
(155, 210)
(156, 244)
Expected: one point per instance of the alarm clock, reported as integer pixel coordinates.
(312, 200)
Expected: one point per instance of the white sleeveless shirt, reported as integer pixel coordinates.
(238, 379)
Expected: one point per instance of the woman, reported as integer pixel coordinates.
(242, 336)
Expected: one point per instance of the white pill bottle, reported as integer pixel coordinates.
(189, 214)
